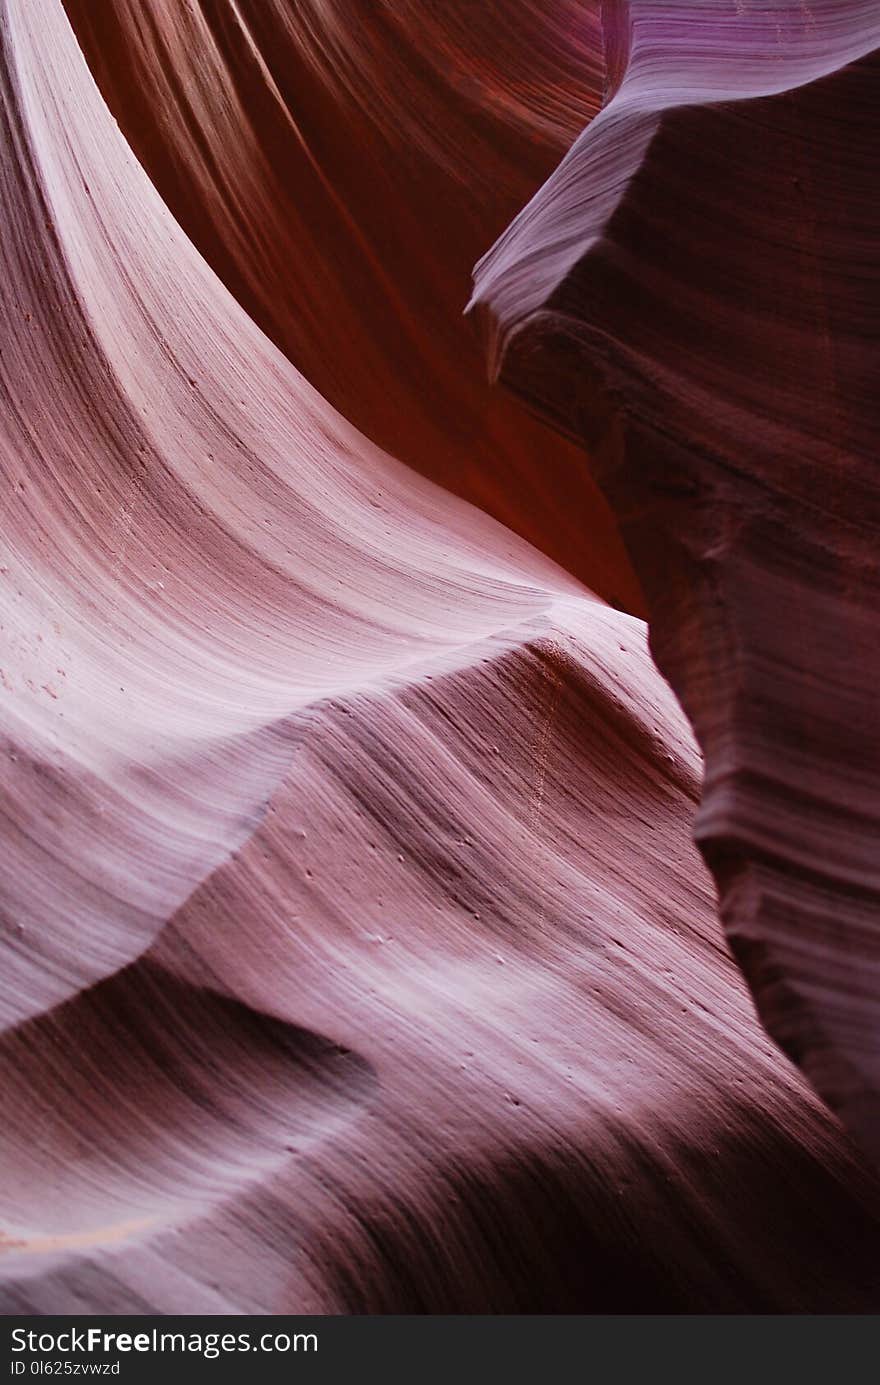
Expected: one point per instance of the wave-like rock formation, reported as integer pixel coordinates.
(694, 294)
(356, 956)
(345, 163)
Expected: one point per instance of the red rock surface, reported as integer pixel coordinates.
(345, 163)
(356, 953)
(695, 293)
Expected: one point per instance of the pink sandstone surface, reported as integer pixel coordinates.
(356, 952)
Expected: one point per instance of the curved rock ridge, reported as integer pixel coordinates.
(135, 1130)
(545, 1091)
(694, 295)
(196, 545)
(356, 953)
(341, 165)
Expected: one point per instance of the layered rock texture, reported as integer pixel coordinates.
(695, 294)
(356, 953)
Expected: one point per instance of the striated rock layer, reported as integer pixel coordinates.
(694, 293)
(355, 952)
(341, 165)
